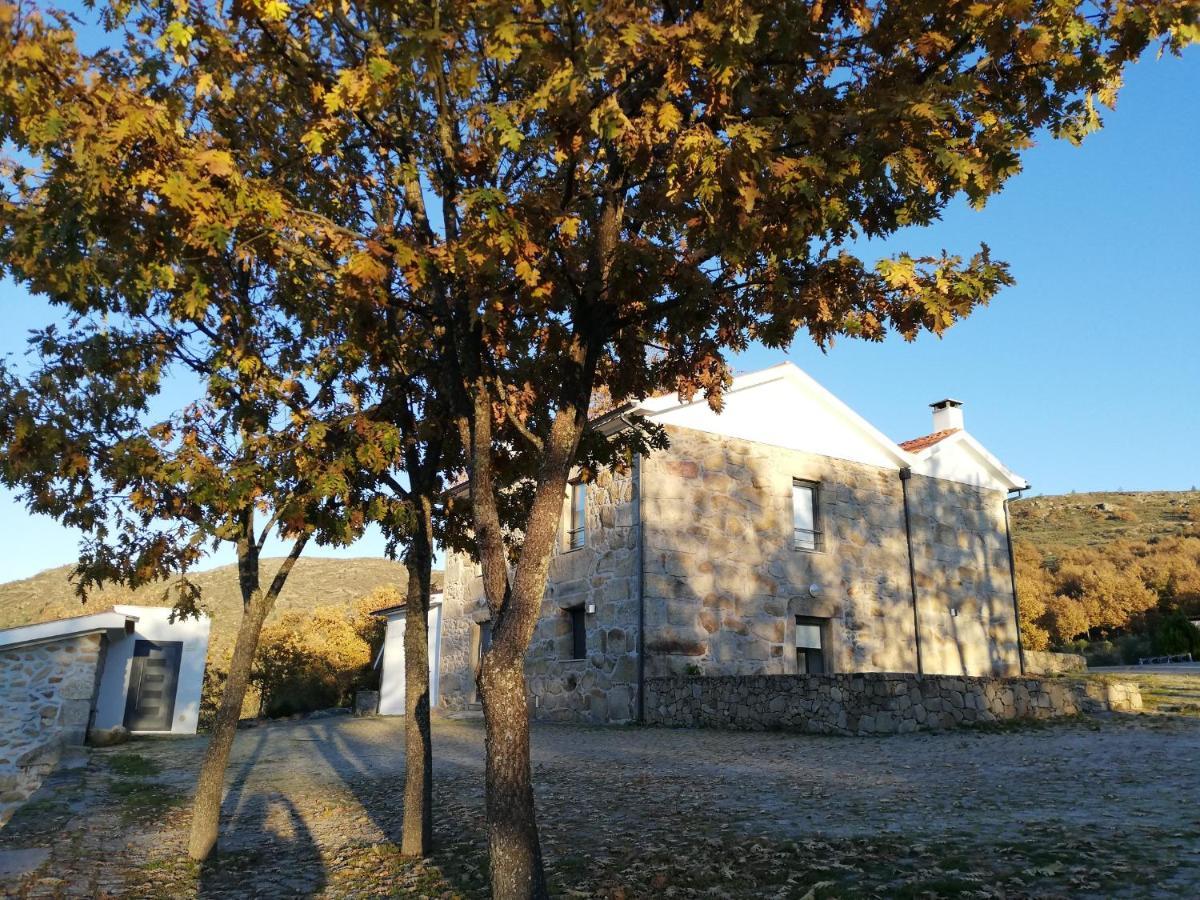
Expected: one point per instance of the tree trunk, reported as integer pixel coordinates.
(206, 811)
(257, 604)
(515, 854)
(417, 829)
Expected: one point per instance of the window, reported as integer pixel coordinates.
(578, 633)
(810, 645)
(805, 512)
(576, 515)
(485, 637)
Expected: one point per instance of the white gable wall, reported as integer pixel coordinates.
(785, 409)
(960, 458)
(391, 681)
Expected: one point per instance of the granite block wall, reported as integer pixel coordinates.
(873, 703)
(46, 695)
(602, 686)
(1045, 662)
(724, 581)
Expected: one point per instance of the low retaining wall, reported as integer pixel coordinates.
(1045, 662)
(872, 703)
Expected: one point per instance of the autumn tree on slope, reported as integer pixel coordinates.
(185, 400)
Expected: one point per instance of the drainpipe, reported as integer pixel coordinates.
(1012, 572)
(640, 583)
(905, 475)
(641, 592)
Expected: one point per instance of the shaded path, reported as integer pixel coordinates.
(1086, 808)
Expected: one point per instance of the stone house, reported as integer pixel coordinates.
(786, 535)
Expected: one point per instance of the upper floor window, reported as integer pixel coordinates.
(806, 510)
(576, 515)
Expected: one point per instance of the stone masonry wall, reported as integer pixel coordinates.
(724, 583)
(45, 701)
(603, 686)
(964, 582)
(873, 703)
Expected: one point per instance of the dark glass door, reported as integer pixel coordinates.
(153, 680)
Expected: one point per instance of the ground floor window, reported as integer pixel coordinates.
(578, 633)
(811, 645)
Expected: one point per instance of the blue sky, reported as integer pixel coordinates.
(1084, 376)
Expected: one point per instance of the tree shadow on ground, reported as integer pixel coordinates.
(284, 856)
(459, 851)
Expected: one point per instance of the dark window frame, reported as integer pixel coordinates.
(578, 618)
(808, 540)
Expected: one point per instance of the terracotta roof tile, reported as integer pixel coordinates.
(916, 445)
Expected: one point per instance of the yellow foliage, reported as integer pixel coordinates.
(317, 659)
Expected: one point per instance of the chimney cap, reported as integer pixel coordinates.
(948, 403)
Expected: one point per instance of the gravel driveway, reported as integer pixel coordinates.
(1084, 808)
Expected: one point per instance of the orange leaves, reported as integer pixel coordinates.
(366, 267)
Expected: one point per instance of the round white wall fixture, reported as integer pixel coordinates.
(814, 590)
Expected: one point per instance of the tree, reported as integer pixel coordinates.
(612, 178)
(614, 196)
(227, 205)
(186, 401)
(1176, 634)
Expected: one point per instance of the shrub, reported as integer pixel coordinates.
(1175, 634)
(1102, 653)
(1133, 647)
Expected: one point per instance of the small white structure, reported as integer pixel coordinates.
(146, 672)
(391, 656)
(151, 680)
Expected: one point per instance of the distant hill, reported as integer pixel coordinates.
(313, 582)
(1090, 520)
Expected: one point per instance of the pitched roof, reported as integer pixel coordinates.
(72, 626)
(916, 445)
(435, 599)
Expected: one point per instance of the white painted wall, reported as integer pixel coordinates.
(785, 407)
(391, 681)
(154, 624)
(961, 458)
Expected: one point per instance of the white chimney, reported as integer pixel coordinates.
(947, 415)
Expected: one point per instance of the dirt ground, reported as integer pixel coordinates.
(1104, 808)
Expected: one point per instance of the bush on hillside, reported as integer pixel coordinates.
(318, 659)
(1092, 592)
(1134, 647)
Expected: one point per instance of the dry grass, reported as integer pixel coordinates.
(1076, 520)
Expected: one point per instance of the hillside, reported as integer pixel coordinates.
(314, 582)
(1090, 520)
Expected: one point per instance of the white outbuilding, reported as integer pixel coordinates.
(152, 681)
(391, 656)
(134, 666)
